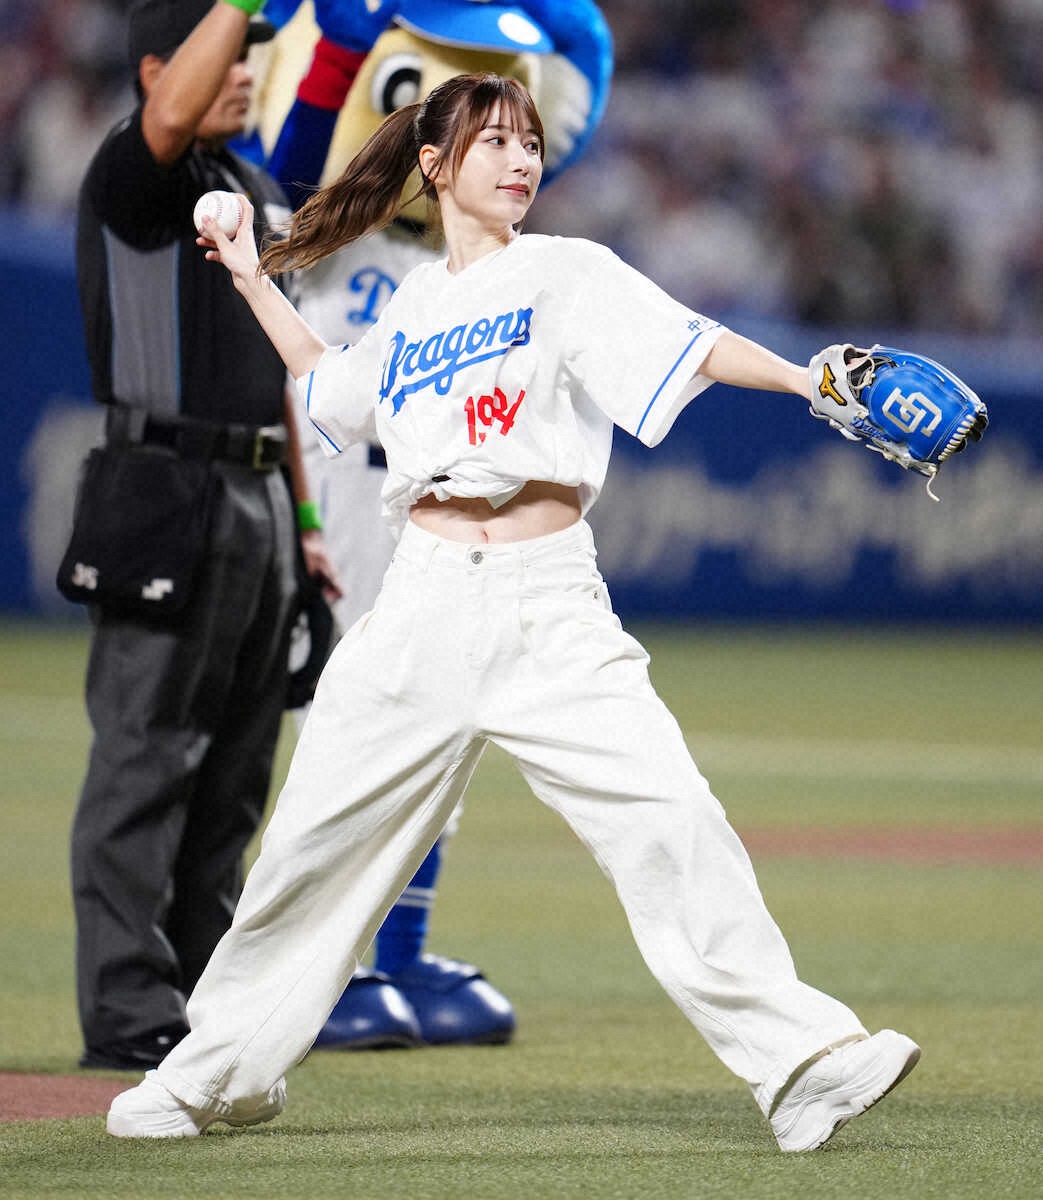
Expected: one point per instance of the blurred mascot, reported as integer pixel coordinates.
(335, 70)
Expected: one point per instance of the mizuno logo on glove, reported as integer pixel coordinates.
(826, 388)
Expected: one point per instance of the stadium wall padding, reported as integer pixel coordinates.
(749, 509)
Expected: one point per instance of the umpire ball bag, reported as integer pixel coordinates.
(139, 531)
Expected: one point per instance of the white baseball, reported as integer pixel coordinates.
(223, 207)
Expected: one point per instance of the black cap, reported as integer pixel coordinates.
(160, 26)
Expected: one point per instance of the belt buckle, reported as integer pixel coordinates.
(265, 438)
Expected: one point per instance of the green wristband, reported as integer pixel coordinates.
(250, 7)
(308, 516)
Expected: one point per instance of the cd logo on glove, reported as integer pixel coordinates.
(908, 412)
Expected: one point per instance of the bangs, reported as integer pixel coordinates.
(492, 93)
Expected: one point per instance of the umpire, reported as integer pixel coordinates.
(185, 709)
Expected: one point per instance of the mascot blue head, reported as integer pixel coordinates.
(560, 49)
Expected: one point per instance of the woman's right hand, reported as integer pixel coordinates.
(297, 344)
(239, 252)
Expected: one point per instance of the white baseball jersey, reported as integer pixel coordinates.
(514, 369)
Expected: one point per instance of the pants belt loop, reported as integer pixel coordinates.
(431, 547)
(125, 422)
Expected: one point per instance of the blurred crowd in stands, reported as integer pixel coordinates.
(855, 162)
(64, 81)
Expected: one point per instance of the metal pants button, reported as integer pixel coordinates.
(476, 556)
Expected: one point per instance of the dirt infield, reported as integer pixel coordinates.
(33, 1097)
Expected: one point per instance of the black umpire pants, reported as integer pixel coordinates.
(185, 721)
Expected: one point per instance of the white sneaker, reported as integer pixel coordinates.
(841, 1085)
(150, 1111)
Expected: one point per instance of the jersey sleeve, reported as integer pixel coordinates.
(634, 349)
(340, 393)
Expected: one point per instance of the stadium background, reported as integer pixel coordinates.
(806, 172)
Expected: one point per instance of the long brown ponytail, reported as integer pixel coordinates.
(364, 198)
(368, 194)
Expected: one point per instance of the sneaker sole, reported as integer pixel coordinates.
(879, 1088)
(175, 1125)
(266, 1114)
(182, 1123)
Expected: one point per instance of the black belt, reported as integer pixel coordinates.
(262, 447)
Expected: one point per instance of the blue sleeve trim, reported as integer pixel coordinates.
(669, 375)
(307, 404)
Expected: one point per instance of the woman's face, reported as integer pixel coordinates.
(498, 176)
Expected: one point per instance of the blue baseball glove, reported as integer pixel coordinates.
(906, 407)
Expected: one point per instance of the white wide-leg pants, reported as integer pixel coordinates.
(513, 644)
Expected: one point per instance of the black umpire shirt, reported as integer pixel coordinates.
(165, 329)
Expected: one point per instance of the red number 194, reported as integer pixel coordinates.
(488, 410)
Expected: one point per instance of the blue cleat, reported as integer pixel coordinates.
(454, 1003)
(371, 1014)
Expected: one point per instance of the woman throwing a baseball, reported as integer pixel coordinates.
(493, 379)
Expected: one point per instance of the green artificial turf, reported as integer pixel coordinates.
(606, 1091)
